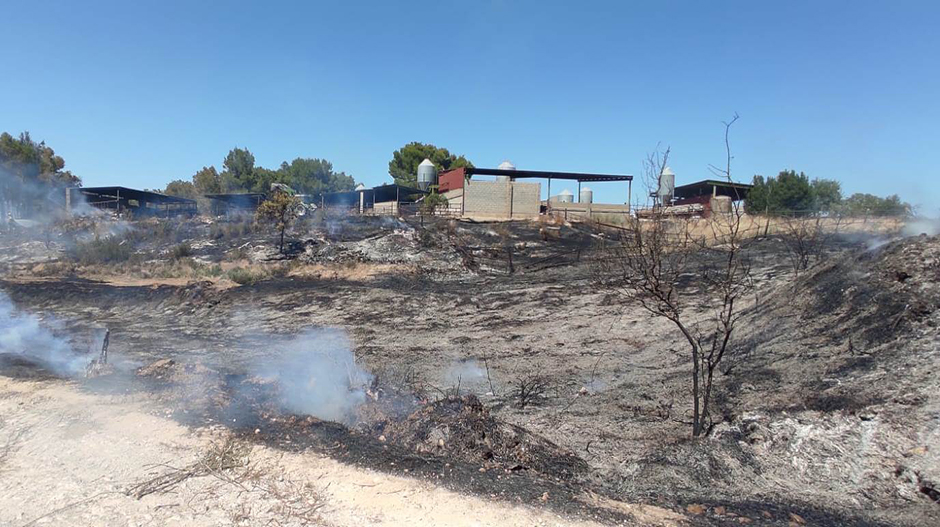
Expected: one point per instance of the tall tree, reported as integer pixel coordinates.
(207, 181)
(314, 176)
(827, 194)
(30, 172)
(788, 193)
(239, 173)
(181, 189)
(860, 204)
(404, 164)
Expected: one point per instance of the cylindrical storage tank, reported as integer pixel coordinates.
(667, 186)
(587, 195)
(505, 165)
(427, 174)
(565, 196)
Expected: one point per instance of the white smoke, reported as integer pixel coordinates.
(317, 375)
(928, 226)
(24, 334)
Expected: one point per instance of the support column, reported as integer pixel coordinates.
(629, 193)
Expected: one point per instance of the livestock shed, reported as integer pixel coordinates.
(384, 199)
(702, 191)
(509, 198)
(234, 203)
(707, 196)
(138, 202)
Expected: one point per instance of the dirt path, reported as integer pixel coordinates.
(68, 457)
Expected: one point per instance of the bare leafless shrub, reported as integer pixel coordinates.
(805, 238)
(530, 390)
(219, 460)
(656, 254)
(399, 380)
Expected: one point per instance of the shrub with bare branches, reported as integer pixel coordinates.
(530, 390)
(653, 257)
(805, 238)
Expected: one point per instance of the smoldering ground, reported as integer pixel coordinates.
(26, 336)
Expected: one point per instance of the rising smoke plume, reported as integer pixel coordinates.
(24, 334)
(317, 375)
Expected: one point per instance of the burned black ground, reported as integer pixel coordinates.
(828, 392)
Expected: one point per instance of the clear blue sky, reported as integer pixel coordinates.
(140, 93)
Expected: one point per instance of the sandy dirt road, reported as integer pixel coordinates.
(69, 458)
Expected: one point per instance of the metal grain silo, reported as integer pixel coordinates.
(586, 196)
(667, 186)
(505, 165)
(565, 196)
(427, 174)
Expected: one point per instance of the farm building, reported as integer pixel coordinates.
(123, 199)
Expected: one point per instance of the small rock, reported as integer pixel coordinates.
(719, 510)
(696, 508)
(382, 438)
(744, 519)
(796, 518)
(544, 496)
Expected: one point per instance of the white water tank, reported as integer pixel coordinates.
(587, 196)
(505, 165)
(565, 196)
(427, 174)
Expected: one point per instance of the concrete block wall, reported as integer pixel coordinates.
(486, 199)
(500, 199)
(526, 199)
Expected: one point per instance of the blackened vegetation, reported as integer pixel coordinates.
(452, 440)
(854, 307)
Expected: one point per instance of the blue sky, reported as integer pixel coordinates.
(141, 93)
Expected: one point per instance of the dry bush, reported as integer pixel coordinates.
(265, 495)
(656, 256)
(245, 276)
(530, 390)
(805, 239)
(227, 460)
(103, 251)
(183, 250)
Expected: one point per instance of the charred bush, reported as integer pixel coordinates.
(530, 390)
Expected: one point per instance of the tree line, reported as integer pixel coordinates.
(240, 175)
(794, 194)
(31, 174)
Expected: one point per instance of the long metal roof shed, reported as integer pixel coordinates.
(246, 200)
(139, 201)
(382, 193)
(712, 187)
(551, 174)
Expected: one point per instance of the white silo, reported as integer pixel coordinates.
(586, 195)
(361, 189)
(667, 186)
(505, 165)
(427, 174)
(565, 196)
